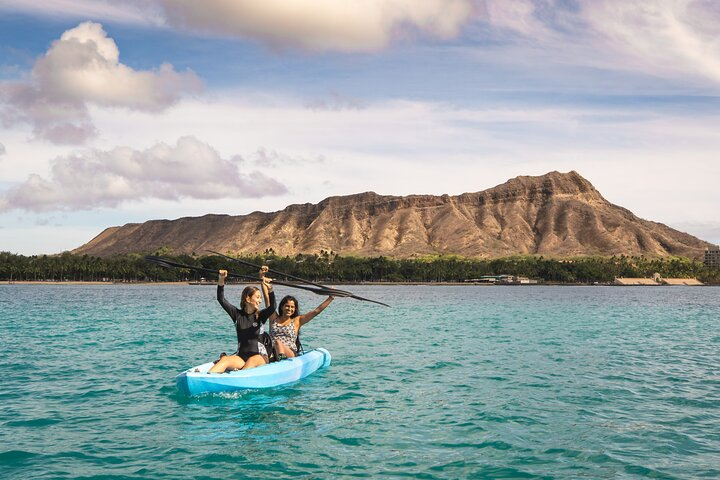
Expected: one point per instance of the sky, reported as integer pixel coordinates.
(123, 112)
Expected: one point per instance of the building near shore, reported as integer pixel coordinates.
(627, 281)
(503, 279)
(682, 281)
(712, 256)
(657, 280)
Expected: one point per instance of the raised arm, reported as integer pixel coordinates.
(268, 296)
(305, 318)
(264, 287)
(227, 306)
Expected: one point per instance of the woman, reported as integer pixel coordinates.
(285, 325)
(248, 320)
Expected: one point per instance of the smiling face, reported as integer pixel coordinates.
(250, 299)
(288, 309)
(254, 300)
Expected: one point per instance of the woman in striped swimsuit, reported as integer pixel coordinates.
(285, 324)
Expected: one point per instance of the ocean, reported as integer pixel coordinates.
(452, 382)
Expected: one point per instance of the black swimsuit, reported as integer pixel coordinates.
(249, 328)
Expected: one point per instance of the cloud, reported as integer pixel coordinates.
(94, 179)
(664, 38)
(2, 149)
(270, 158)
(321, 25)
(83, 68)
(521, 16)
(128, 11)
(335, 101)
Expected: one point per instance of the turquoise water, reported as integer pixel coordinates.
(453, 382)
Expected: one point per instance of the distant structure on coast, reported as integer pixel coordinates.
(712, 257)
(657, 280)
(503, 279)
(203, 281)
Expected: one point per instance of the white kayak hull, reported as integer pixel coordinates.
(192, 382)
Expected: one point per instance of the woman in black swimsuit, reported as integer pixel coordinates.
(248, 320)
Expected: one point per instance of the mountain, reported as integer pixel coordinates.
(557, 215)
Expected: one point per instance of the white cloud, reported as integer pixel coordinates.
(84, 65)
(83, 68)
(321, 25)
(189, 169)
(335, 101)
(519, 16)
(128, 11)
(401, 147)
(663, 38)
(271, 158)
(2, 149)
(315, 25)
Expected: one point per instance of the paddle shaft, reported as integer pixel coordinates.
(270, 270)
(336, 292)
(172, 264)
(318, 291)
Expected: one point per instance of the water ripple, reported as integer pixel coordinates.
(532, 383)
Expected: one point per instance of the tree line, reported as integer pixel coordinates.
(331, 268)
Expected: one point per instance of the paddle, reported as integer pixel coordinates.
(164, 262)
(274, 272)
(337, 293)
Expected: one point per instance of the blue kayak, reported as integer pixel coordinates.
(192, 382)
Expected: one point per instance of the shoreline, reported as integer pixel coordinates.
(429, 284)
(83, 282)
(203, 284)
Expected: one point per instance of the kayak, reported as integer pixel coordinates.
(196, 380)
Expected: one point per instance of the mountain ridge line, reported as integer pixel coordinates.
(556, 215)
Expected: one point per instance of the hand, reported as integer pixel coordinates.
(222, 274)
(263, 270)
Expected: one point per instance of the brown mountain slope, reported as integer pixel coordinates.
(554, 215)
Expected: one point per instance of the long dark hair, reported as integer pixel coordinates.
(247, 292)
(288, 298)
